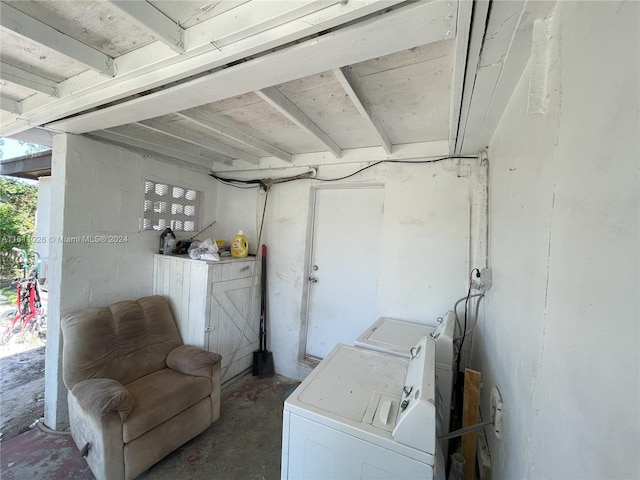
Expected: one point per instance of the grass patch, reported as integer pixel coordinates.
(7, 290)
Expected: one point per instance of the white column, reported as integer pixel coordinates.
(56, 415)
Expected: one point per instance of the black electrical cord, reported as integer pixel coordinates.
(466, 303)
(417, 162)
(237, 183)
(253, 183)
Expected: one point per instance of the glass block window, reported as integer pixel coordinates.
(172, 206)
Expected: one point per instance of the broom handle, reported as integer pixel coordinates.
(263, 311)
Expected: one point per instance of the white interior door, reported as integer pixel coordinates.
(344, 265)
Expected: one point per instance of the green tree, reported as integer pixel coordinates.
(18, 202)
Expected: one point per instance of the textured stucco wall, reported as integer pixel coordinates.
(425, 242)
(560, 332)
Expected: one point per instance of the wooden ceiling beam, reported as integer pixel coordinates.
(217, 126)
(380, 35)
(222, 30)
(350, 84)
(158, 143)
(183, 133)
(14, 20)
(286, 107)
(10, 105)
(153, 21)
(155, 64)
(27, 79)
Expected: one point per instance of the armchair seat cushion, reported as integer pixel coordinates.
(160, 396)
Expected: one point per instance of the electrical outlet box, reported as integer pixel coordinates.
(484, 281)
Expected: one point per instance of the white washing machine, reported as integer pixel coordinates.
(363, 414)
(397, 337)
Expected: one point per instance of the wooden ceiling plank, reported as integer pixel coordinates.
(215, 125)
(14, 20)
(28, 79)
(156, 64)
(182, 133)
(351, 86)
(277, 100)
(153, 21)
(380, 35)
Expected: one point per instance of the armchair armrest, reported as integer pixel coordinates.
(193, 361)
(101, 396)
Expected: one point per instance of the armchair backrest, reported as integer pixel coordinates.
(124, 341)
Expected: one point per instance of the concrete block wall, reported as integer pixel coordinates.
(97, 191)
(560, 330)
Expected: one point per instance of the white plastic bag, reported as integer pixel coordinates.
(207, 250)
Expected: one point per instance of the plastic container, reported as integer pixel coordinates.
(239, 246)
(167, 241)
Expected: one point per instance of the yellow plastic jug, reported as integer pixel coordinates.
(239, 246)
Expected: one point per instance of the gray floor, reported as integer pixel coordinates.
(244, 444)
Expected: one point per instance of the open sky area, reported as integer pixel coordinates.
(12, 149)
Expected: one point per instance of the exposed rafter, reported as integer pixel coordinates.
(152, 20)
(215, 125)
(223, 30)
(26, 26)
(154, 65)
(392, 32)
(350, 84)
(280, 102)
(181, 132)
(158, 143)
(9, 105)
(28, 79)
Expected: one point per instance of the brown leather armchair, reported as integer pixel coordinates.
(136, 393)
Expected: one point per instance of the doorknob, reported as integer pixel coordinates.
(313, 279)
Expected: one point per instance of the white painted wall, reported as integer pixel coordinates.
(560, 331)
(97, 189)
(426, 229)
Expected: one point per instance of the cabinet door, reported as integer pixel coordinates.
(234, 319)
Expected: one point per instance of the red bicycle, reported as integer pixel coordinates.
(30, 314)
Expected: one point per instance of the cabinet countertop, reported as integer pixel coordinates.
(209, 262)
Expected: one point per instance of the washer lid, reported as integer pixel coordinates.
(342, 385)
(393, 336)
(359, 392)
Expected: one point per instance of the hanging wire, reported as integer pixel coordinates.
(253, 183)
(466, 304)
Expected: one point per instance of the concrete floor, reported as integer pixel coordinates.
(244, 444)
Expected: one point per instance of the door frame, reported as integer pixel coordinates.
(303, 358)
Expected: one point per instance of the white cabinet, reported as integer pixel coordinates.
(216, 305)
